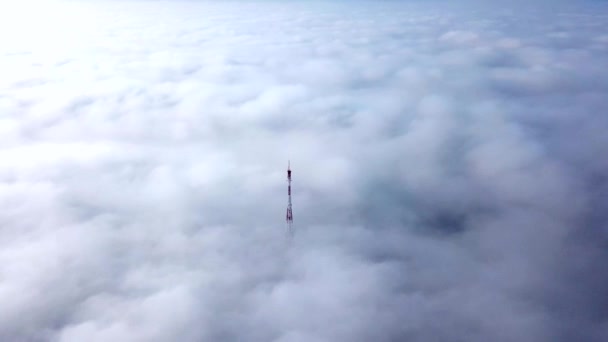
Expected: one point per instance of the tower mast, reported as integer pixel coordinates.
(289, 216)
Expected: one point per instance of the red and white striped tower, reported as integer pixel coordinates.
(289, 216)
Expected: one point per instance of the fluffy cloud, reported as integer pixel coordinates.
(449, 178)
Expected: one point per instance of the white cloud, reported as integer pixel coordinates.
(449, 179)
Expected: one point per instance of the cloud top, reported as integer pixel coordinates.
(449, 179)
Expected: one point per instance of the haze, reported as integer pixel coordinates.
(450, 174)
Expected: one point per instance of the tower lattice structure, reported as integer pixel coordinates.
(289, 215)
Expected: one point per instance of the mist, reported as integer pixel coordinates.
(449, 178)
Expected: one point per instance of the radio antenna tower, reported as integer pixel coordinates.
(289, 216)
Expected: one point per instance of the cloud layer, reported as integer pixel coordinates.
(450, 182)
